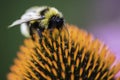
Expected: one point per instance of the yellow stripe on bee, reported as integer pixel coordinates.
(33, 21)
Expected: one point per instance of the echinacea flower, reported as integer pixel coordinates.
(57, 56)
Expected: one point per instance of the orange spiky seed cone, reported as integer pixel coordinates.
(57, 56)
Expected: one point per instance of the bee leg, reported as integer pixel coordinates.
(31, 33)
(40, 30)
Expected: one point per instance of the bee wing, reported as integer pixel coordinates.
(17, 22)
(24, 20)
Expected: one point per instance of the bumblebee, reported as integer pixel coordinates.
(39, 18)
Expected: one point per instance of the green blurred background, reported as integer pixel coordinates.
(78, 12)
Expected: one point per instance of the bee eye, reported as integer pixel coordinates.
(56, 21)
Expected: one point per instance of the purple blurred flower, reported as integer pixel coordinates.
(110, 34)
(107, 25)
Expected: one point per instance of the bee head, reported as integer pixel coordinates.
(55, 21)
(53, 18)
